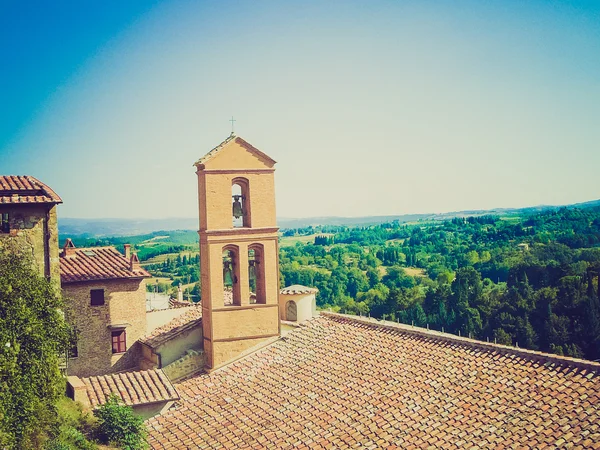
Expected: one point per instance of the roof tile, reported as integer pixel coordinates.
(134, 388)
(338, 382)
(96, 263)
(24, 189)
(184, 322)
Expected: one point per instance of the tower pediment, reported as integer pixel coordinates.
(234, 153)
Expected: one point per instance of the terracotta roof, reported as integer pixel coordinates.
(337, 382)
(96, 263)
(298, 289)
(18, 189)
(238, 140)
(174, 303)
(187, 320)
(134, 388)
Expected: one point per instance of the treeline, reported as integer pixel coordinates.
(529, 281)
(146, 253)
(181, 269)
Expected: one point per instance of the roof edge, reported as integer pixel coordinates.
(51, 193)
(89, 280)
(448, 337)
(168, 335)
(232, 138)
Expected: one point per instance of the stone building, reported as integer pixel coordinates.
(238, 250)
(107, 292)
(28, 218)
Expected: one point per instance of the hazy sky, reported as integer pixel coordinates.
(370, 108)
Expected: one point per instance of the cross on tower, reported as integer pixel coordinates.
(232, 120)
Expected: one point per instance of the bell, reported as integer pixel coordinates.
(237, 207)
(252, 270)
(228, 275)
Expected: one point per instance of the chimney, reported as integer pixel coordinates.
(77, 390)
(179, 293)
(69, 248)
(134, 262)
(127, 248)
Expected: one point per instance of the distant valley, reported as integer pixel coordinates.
(92, 228)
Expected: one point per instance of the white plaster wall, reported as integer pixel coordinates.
(175, 348)
(306, 305)
(155, 319)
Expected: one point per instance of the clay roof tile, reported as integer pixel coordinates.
(24, 189)
(160, 335)
(96, 263)
(356, 382)
(134, 387)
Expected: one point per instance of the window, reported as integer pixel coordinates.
(240, 203)
(119, 343)
(4, 223)
(73, 352)
(97, 296)
(256, 274)
(231, 274)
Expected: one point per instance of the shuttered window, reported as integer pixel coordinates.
(119, 343)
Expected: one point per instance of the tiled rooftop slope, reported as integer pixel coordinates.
(340, 382)
(189, 319)
(25, 189)
(134, 388)
(97, 263)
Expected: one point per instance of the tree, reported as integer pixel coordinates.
(33, 334)
(357, 282)
(397, 277)
(119, 425)
(467, 291)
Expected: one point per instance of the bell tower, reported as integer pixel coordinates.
(238, 250)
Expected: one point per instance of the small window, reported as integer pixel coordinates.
(119, 343)
(4, 223)
(97, 296)
(73, 352)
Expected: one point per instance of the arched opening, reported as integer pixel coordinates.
(240, 203)
(231, 276)
(291, 311)
(256, 274)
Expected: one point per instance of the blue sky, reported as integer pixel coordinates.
(368, 107)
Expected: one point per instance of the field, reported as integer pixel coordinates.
(159, 259)
(290, 241)
(411, 271)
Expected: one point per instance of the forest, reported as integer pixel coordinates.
(530, 281)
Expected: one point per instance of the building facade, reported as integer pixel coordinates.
(106, 292)
(28, 219)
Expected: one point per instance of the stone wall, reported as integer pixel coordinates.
(149, 359)
(189, 364)
(124, 303)
(34, 229)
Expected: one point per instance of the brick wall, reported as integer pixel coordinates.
(232, 330)
(124, 303)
